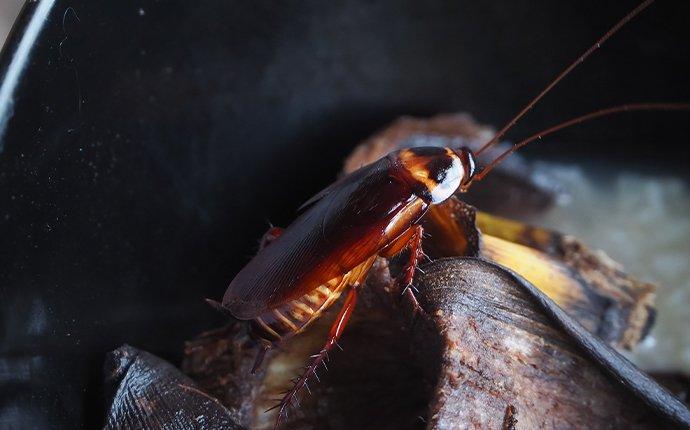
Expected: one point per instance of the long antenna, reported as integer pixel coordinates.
(564, 73)
(580, 119)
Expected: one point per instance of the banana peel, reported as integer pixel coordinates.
(588, 285)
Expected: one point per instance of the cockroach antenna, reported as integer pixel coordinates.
(613, 30)
(577, 120)
(580, 119)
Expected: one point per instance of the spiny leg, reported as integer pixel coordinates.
(412, 239)
(416, 254)
(319, 358)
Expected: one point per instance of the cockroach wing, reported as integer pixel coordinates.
(349, 222)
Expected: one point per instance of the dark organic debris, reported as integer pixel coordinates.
(374, 382)
(510, 419)
(508, 344)
(490, 358)
(149, 393)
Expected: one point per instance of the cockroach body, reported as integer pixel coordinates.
(300, 271)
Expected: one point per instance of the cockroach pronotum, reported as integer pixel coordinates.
(300, 271)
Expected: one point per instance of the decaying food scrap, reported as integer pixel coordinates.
(373, 383)
(489, 347)
(499, 349)
(589, 285)
(501, 353)
(147, 392)
(488, 350)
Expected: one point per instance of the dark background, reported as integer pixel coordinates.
(151, 144)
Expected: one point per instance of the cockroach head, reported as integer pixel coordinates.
(436, 173)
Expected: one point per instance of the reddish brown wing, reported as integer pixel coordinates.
(336, 233)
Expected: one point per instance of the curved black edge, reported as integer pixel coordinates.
(613, 363)
(146, 391)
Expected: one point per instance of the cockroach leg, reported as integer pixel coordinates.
(416, 307)
(271, 234)
(416, 254)
(319, 358)
(260, 357)
(412, 239)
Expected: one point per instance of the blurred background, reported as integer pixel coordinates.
(148, 145)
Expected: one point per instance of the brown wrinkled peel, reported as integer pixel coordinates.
(500, 353)
(588, 285)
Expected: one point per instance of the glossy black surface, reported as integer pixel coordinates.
(150, 144)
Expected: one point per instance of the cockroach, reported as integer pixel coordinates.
(300, 271)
